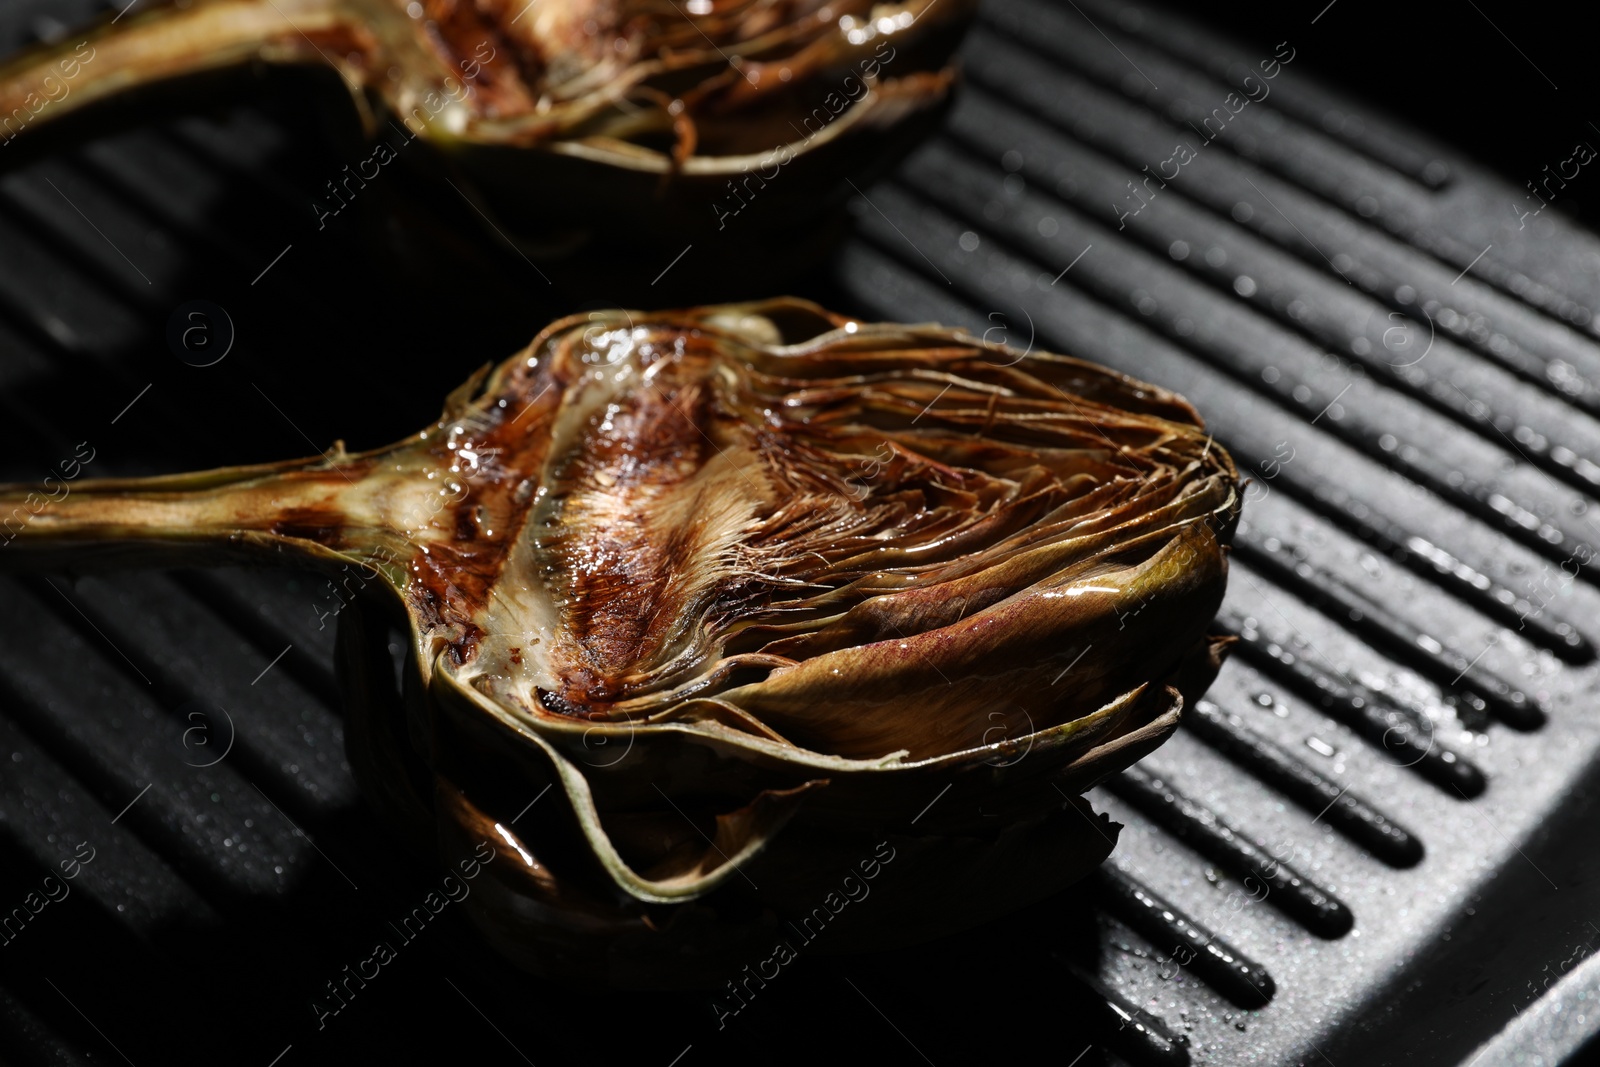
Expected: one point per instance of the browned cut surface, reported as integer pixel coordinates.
(478, 45)
(674, 504)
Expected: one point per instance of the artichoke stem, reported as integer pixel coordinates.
(145, 47)
(211, 517)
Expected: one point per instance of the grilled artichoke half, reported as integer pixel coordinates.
(674, 115)
(748, 598)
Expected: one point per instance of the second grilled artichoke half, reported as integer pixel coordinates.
(753, 600)
(567, 121)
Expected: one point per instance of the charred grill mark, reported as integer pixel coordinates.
(462, 650)
(452, 582)
(323, 525)
(560, 705)
(617, 560)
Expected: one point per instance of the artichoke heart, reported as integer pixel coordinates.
(758, 593)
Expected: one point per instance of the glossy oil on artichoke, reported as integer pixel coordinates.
(745, 596)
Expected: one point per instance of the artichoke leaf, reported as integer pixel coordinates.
(696, 861)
